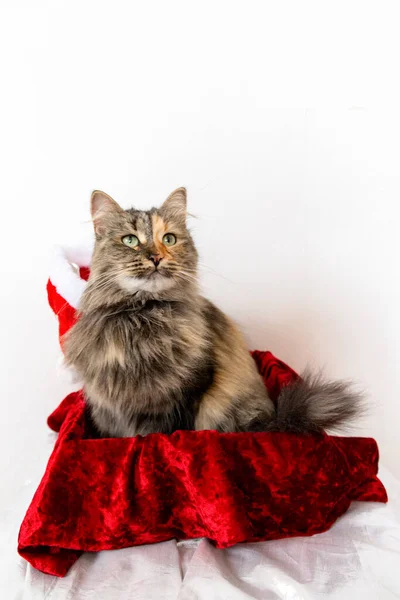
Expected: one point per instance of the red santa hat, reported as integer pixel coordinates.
(69, 271)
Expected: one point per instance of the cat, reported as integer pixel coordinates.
(155, 356)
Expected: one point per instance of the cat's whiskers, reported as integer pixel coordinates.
(179, 270)
(105, 281)
(214, 272)
(104, 276)
(185, 278)
(99, 283)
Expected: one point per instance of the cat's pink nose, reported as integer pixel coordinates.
(155, 259)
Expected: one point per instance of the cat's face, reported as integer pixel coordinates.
(149, 251)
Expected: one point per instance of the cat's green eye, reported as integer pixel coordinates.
(169, 239)
(130, 240)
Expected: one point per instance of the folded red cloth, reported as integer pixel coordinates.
(103, 494)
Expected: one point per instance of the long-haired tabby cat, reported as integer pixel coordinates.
(155, 356)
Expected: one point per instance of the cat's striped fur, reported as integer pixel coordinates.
(155, 356)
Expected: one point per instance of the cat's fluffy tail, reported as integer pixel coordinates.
(314, 404)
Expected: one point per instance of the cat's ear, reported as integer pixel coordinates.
(101, 205)
(175, 205)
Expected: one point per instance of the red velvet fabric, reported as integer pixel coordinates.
(101, 494)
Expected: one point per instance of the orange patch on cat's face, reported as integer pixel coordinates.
(159, 230)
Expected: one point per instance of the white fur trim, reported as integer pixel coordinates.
(68, 374)
(79, 255)
(64, 276)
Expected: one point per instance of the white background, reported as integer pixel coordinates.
(297, 205)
